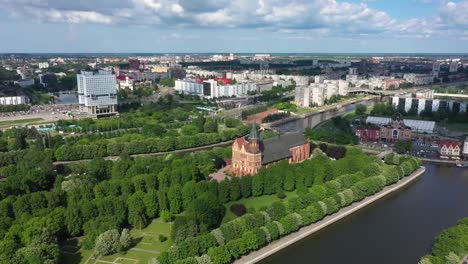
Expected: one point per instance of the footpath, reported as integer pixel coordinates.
(290, 239)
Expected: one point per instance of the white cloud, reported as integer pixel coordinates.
(330, 17)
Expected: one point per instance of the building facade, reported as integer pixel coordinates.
(14, 100)
(316, 94)
(97, 93)
(419, 79)
(214, 88)
(449, 149)
(395, 130)
(250, 154)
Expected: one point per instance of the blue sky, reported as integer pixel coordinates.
(439, 26)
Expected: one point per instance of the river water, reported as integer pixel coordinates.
(398, 229)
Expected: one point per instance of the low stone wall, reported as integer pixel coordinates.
(311, 229)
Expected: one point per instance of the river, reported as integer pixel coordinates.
(398, 229)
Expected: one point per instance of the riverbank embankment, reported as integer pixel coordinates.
(313, 228)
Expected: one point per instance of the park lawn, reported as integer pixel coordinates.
(254, 204)
(147, 247)
(8, 123)
(461, 127)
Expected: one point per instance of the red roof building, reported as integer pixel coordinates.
(449, 149)
(368, 134)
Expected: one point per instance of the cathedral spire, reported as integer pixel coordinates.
(253, 132)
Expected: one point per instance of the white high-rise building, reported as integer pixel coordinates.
(97, 93)
(352, 71)
(316, 94)
(436, 67)
(465, 148)
(453, 66)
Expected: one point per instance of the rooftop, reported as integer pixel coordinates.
(277, 148)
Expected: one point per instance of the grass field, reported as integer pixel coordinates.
(147, 246)
(253, 204)
(461, 127)
(9, 123)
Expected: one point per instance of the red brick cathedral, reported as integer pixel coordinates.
(250, 154)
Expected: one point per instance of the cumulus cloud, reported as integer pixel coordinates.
(326, 16)
(276, 14)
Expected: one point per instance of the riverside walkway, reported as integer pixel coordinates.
(290, 239)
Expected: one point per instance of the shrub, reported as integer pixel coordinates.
(267, 234)
(332, 205)
(250, 240)
(273, 230)
(218, 235)
(280, 228)
(253, 220)
(349, 196)
(206, 242)
(333, 187)
(204, 259)
(276, 211)
(236, 248)
(220, 255)
(289, 223)
(238, 209)
(280, 194)
(407, 168)
(166, 216)
(323, 207)
(231, 230)
(162, 238)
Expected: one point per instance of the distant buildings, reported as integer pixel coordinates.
(419, 79)
(316, 94)
(215, 88)
(134, 64)
(47, 79)
(23, 83)
(250, 154)
(125, 82)
(97, 93)
(418, 126)
(465, 148)
(14, 100)
(433, 105)
(453, 67)
(43, 65)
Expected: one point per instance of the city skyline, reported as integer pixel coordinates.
(328, 26)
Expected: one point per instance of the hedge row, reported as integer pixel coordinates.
(152, 145)
(252, 231)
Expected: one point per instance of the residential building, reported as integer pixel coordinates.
(421, 104)
(353, 71)
(47, 79)
(214, 88)
(25, 82)
(97, 93)
(453, 66)
(392, 83)
(465, 148)
(125, 82)
(368, 133)
(316, 94)
(250, 153)
(14, 100)
(43, 65)
(134, 64)
(419, 79)
(449, 149)
(436, 67)
(425, 94)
